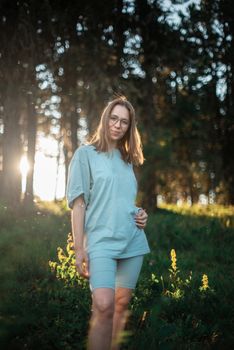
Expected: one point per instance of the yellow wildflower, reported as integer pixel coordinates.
(61, 255)
(70, 248)
(70, 244)
(205, 282)
(173, 259)
(70, 238)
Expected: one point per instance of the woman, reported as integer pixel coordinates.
(107, 227)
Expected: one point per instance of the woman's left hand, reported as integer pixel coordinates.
(141, 218)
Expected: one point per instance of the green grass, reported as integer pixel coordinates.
(40, 311)
(27, 242)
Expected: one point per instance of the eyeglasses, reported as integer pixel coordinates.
(124, 123)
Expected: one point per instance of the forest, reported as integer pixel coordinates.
(61, 61)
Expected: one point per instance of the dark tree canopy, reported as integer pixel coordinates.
(61, 61)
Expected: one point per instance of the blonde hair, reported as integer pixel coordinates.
(130, 145)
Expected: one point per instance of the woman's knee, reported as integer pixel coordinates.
(103, 302)
(122, 300)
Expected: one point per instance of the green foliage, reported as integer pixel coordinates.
(179, 309)
(65, 267)
(224, 213)
(47, 314)
(38, 311)
(183, 298)
(175, 314)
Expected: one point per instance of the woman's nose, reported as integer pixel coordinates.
(118, 124)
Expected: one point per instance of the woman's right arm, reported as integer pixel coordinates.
(77, 223)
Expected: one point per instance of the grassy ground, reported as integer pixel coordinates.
(40, 311)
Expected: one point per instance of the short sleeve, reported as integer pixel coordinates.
(78, 181)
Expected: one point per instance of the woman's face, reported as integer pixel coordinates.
(118, 124)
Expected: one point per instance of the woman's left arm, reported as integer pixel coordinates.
(141, 218)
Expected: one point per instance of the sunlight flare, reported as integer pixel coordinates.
(24, 166)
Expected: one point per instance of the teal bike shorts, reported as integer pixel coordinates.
(114, 273)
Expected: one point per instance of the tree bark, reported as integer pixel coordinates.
(11, 190)
(31, 137)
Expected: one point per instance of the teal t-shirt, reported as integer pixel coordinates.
(109, 187)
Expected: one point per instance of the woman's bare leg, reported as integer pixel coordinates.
(101, 323)
(122, 299)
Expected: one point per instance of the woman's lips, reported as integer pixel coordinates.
(115, 133)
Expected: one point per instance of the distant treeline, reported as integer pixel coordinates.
(61, 61)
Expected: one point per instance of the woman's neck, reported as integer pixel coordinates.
(112, 146)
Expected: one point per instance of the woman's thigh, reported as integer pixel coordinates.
(128, 271)
(102, 273)
(114, 273)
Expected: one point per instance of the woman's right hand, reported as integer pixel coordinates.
(82, 263)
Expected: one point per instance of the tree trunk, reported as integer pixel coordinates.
(31, 137)
(74, 127)
(12, 151)
(148, 186)
(66, 163)
(227, 152)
